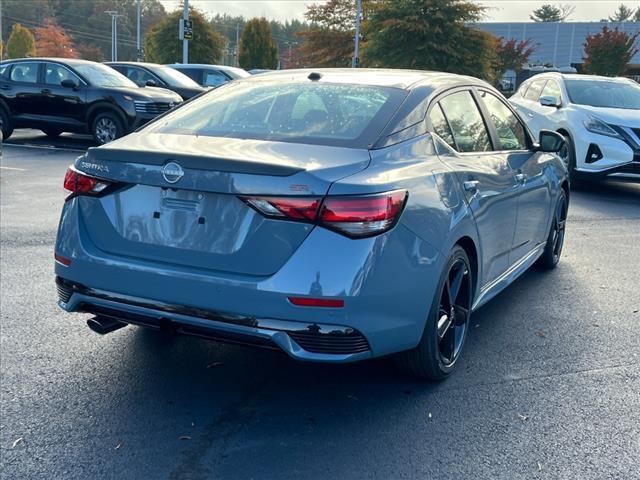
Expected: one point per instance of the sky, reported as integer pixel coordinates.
(498, 10)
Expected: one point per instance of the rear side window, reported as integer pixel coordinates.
(533, 92)
(140, 76)
(192, 73)
(467, 126)
(511, 133)
(25, 72)
(440, 125)
(213, 79)
(300, 112)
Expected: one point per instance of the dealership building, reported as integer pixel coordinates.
(560, 44)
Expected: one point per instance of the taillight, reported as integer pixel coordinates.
(353, 216)
(289, 208)
(77, 183)
(362, 216)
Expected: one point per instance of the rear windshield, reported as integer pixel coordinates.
(305, 112)
(603, 93)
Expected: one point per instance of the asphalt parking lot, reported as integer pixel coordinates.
(548, 387)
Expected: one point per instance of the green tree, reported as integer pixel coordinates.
(552, 13)
(622, 14)
(429, 35)
(257, 49)
(329, 40)
(636, 16)
(609, 52)
(162, 44)
(21, 42)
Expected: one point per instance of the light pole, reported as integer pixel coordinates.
(114, 33)
(185, 42)
(139, 52)
(356, 51)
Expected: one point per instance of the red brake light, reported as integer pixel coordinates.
(354, 216)
(291, 208)
(363, 216)
(77, 183)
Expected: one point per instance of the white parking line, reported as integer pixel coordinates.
(44, 147)
(13, 168)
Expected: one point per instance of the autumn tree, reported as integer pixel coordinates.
(622, 14)
(162, 44)
(552, 13)
(53, 41)
(257, 48)
(429, 35)
(21, 42)
(329, 41)
(609, 52)
(90, 51)
(512, 55)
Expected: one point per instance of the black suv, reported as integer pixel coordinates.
(154, 75)
(66, 95)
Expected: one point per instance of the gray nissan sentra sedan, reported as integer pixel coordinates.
(336, 215)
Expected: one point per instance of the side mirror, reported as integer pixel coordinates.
(550, 101)
(150, 83)
(68, 83)
(550, 142)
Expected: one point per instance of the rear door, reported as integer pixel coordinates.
(534, 196)
(526, 105)
(23, 90)
(488, 181)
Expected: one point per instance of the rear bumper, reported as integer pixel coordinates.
(387, 284)
(311, 342)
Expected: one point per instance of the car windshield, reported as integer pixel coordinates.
(300, 112)
(603, 93)
(102, 76)
(175, 78)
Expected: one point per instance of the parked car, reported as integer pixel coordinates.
(258, 71)
(67, 95)
(154, 75)
(599, 116)
(210, 75)
(337, 215)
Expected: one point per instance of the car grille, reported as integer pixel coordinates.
(153, 108)
(64, 290)
(336, 344)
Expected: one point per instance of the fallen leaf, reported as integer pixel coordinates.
(118, 446)
(522, 416)
(16, 442)
(539, 466)
(429, 415)
(215, 364)
(184, 437)
(636, 311)
(193, 424)
(476, 325)
(541, 334)
(352, 397)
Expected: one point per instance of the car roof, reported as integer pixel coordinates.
(206, 66)
(404, 79)
(68, 61)
(577, 76)
(136, 64)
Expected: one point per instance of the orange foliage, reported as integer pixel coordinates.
(53, 41)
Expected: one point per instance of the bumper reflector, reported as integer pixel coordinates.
(317, 302)
(62, 260)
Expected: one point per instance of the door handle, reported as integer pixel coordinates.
(5, 87)
(521, 178)
(471, 186)
(46, 91)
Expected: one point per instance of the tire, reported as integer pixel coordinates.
(106, 127)
(555, 240)
(5, 124)
(447, 325)
(568, 156)
(52, 132)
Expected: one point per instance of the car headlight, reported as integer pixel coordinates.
(596, 125)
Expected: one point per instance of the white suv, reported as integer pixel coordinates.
(599, 116)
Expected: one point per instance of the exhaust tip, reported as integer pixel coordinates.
(104, 325)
